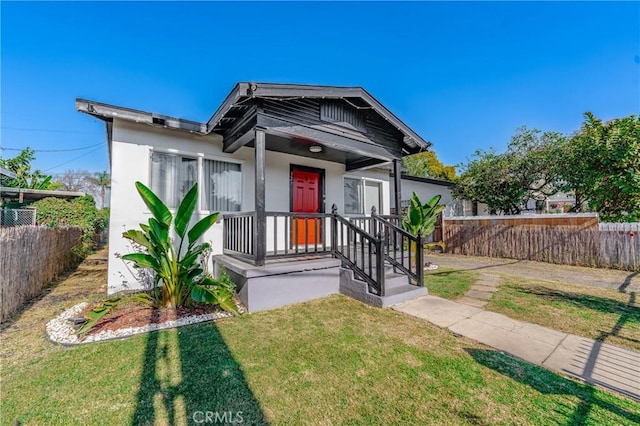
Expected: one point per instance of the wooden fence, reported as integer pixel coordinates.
(569, 240)
(30, 258)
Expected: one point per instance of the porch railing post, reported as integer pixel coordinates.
(260, 219)
(420, 259)
(379, 263)
(334, 229)
(374, 225)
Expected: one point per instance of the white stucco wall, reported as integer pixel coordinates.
(425, 191)
(130, 162)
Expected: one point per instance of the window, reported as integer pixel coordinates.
(222, 186)
(353, 198)
(172, 176)
(361, 195)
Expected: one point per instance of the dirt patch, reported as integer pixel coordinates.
(138, 315)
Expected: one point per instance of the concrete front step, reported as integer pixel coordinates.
(397, 289)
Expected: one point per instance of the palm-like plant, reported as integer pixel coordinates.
(178, 274)
(421, 218)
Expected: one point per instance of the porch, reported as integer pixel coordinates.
(308, 256)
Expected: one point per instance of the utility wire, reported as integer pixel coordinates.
(73, 159)
(23, 129)
(53, 150)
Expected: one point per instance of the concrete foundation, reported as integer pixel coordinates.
(281, 283)
(397, 289)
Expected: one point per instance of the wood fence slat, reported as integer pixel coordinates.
(30, 258)
(606, 245)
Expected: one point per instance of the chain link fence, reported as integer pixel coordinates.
(17, 217)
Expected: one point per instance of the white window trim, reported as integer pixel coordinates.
(200, 157)
(363, 179)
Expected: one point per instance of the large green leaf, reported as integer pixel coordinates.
(185, 210)
(215, 295)
(141, 260)
(137, 237)
(201, 227)
(155, 205)
(159, 233)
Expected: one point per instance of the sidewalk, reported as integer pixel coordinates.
(598, 363)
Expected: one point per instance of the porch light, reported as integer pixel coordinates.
(315, 148)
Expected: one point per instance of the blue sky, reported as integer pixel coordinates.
(463, 75)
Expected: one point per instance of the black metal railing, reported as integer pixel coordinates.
(359, 250)
(237, 234)
(297, 234)
(293, 234)
(362, 243)
(402, 250)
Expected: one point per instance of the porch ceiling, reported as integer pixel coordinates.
(300, 146)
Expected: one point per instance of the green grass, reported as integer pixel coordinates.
(329, 361)
(601, 314)
(449, 283)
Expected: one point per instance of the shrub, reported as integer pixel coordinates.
(80, 212)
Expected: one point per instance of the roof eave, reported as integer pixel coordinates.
(108, 112)
(261, 90)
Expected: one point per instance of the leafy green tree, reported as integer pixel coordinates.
(505, 182)
(427, 164)
(25, 178)
(601, 164)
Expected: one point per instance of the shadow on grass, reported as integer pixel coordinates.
(627, 282)
(549, 383)
(602, 304)
(193, 378)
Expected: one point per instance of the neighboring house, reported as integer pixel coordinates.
(273, 159)
(425, 187)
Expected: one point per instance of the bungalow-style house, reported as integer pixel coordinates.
(295, 171)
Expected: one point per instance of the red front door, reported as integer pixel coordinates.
(305, 198)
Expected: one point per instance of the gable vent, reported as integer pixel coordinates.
(339, 113)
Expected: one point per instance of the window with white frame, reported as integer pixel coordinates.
(222, 186)
(173, 175)
(360, 195)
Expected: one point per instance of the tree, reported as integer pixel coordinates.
(601, 164)
(427, 164)
(25, 178)
(94, 183)
(103, 181)
(506, 182)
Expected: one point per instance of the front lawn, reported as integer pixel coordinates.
(607, 315)
(449, 283)
(329, 361)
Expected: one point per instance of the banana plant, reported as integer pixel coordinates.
(178, 276)
(422, 218)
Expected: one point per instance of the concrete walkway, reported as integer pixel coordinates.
(480, 293)
(598, 363)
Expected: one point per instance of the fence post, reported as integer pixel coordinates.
(420, 259)
(379, 264)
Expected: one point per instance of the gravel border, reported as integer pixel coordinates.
(60, 329)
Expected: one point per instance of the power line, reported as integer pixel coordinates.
(24, 129)
(53, 150)
(73, 159)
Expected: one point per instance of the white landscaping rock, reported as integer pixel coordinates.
(60, 329)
